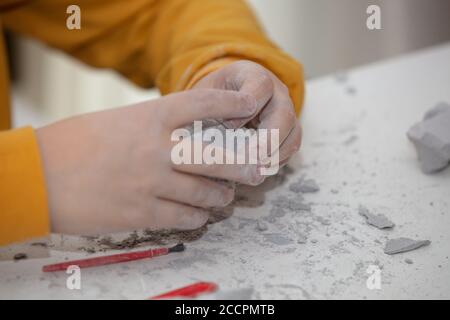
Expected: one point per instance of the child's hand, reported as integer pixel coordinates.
(275, 108)
(111, 171)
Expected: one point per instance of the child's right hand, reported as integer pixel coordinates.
(111, 171)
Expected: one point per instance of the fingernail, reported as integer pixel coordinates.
(228, 197)
(195, 220)
(257, 178)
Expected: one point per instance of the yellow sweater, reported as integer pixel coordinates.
(167, 43)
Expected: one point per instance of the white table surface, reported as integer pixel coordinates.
(354, 144)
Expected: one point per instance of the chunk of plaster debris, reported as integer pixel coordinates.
(379, 221)
(301, 239)
(261, 226)
(299, 206)
(351, 90)
(400, 245)
(282, 203)
(350, 140)
(277, 239)
(431, 137)
(304, 186)
(440, 108)
(408, 261)
(20, 256)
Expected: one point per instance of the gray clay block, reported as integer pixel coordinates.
(440, 108)
(431, 137)
(380, 221)
(400, 245)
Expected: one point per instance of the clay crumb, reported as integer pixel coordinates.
(350, 140)
(400, 245)
(20, 256)
(40, 244)
(304, 186)
(277, 239)
(261, 226)
(301, 239)
(351, 90)
(379, 221)
(151, 237)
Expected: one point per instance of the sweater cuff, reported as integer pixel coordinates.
(23, 199)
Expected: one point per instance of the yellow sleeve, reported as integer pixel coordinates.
(162, 42)
(23, 199)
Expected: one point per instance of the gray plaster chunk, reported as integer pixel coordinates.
(282, 203)
(299, 206)
(431, 137)
(379, 221)
(277, 239)
(350, 140)
(301, 239)
(409, 261)
(323, 221)
(304, 186)
(261, 226)
(351, 90)
(400, 245)
(439, 108)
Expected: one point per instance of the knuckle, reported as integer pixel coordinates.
(284, 88)
(265, 79)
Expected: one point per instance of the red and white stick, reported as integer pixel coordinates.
(112, 259)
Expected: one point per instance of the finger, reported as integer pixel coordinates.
(278, 115)
(292, 143)
(173, 215)
(280, 158)
(241, 173)
(200, 104)
(197, 191)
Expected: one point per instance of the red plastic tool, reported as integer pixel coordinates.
(115, 258)
(190, 291)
